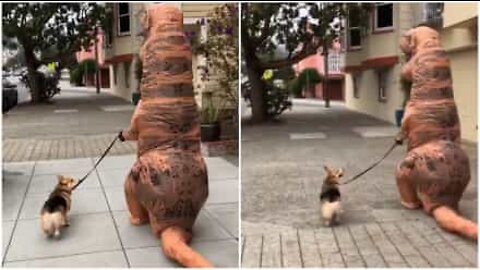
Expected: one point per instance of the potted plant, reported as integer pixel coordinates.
(209, 126)
(406, 87)
(138, 74)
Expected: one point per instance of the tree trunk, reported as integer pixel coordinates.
(259, 112)
(326, 94)
(97, 68)
(34, 79)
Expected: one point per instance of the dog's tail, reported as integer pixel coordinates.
(175, 246)
(51, 223)
(451, 221)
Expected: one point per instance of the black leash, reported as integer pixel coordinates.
(96, 164)
(371, 166)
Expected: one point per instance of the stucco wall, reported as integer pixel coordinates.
(458, 38)
(368, 101)
(455, 13)
(120, 88)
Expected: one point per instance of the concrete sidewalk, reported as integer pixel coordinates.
(100, 234)
(282, 173)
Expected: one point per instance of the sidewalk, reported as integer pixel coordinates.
(78, 123)
(100, 234)
(282, 173)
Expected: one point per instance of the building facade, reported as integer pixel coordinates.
(374, 60)
(85, 54)
(336, 62)
(124, 42)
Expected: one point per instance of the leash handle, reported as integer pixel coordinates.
(96, 163)
(371, 166)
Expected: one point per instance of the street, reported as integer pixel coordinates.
(282, 173)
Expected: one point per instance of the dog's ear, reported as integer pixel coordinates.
(60, 178)
(327, 170)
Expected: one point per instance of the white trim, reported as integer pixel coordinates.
(192, 20)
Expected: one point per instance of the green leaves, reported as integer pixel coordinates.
(39, 26)
(300, 27)
(220, 47)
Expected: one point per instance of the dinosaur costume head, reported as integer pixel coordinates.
(419, 37)
(166, 55)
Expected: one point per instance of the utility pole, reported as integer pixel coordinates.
(97, 68)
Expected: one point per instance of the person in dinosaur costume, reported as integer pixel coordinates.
(168, 184)
(436, 170)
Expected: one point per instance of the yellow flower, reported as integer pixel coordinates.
(268, 74)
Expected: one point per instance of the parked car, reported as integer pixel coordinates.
(9, 95)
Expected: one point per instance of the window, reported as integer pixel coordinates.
(123, 19)
(383, 17)
(382, 84)
(432, 15)
(108, 39)
(334, 61)
(115, 74)
(356, 85)
(354, 33)
(126, 69)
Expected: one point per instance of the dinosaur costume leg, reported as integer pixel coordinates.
(406, 188)
(168, 184)
(138, 214)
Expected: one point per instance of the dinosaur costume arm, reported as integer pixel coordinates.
(407, 70)
(131, 133)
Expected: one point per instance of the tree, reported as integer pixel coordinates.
(220, 49)
(55, 30)
(302, 28)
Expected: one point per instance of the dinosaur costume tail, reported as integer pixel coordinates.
(451, 221)
(174, 244)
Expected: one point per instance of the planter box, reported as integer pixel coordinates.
(219, 148)
(399, 116)
(210, 132)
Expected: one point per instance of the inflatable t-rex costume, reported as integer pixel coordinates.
(436, 170)
(168, 183)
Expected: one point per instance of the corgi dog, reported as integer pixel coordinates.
(54, 213)
(330, 196)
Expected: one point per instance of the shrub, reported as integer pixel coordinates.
(76, 75)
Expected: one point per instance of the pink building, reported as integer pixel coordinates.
(89, 79)
(335, 73)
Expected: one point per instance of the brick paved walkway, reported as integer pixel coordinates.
(62, 148)
(407, 243)
(78, 123)
(282, 173)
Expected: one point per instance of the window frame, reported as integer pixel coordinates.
(377, 29)
(126, 69)
(115, 71)
(356, 86)
(382, 84)
(119, 16)
(349, 36)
